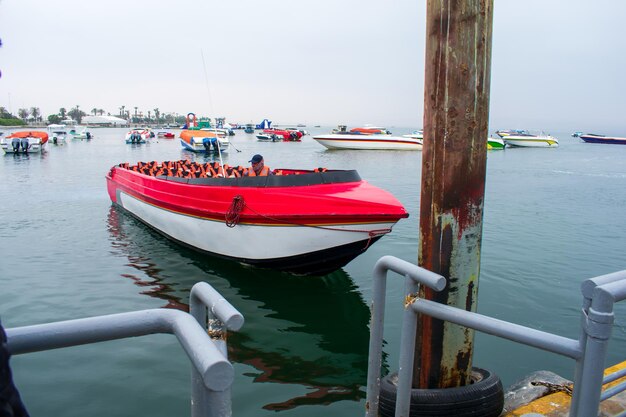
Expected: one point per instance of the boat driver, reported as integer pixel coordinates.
(258, 168)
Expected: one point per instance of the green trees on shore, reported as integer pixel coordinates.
(7, 119)
(33, 115)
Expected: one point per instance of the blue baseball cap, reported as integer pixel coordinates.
(256, 159)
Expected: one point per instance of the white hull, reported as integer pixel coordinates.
(371, 142)
(197, 146)
(531, 141)
(137, 136)
(34, 145)
(268, 138)
(250, 242)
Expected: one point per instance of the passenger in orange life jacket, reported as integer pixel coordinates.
(258, 168)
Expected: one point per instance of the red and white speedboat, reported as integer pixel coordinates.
(300, 221)
(372, 138)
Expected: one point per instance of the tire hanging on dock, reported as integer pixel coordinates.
(484, 397)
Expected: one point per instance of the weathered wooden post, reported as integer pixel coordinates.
(456, 118)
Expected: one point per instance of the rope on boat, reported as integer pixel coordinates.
(233, 215)
(234, 211)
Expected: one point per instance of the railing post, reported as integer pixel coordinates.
(414, 275)
(597, 329)
(210, 309)
(591, 323)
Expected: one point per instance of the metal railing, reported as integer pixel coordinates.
(589, 351)
(212, 373)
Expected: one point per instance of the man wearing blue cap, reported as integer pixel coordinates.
(258, 168)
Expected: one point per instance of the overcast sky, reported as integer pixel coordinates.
(556, 64)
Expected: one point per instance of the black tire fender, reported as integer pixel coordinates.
(484, 397)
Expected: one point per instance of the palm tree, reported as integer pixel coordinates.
(157, 113)
(136, 111)
(76, 114)
(101, 111)
(63, 113)
(23, 113)
(36, 113)
(94, 111)
(122, 111)
(148, 115)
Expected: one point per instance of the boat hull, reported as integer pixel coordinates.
(34, 146)
(369, 142)
(303, 243)
(495, 144)
(531, 141)
(203, 141)
(27, 142)
(603, 139)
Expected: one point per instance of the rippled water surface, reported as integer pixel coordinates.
(553, 217)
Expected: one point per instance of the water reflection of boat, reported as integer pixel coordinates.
(307, 332)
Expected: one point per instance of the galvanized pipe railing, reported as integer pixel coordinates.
(212, 312)
(377, 308)
(215, 373)
(589, 350)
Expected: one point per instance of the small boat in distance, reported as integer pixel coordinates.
(83, 134)
(495, 143)
(165, 134)
(249, 128)
(268, 137)
(526, 140)
(417, 134)
(58, 137)
(138, 136)
(302, 221)
(593, 138)
(24, 142)
(210, 140)
(369, 138)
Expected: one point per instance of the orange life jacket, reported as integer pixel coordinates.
(265, 171)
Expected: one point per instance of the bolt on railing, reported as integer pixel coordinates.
(214, 373)
(589, 350)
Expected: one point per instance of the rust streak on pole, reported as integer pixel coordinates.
(456, 119)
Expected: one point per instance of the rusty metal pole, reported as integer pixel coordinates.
(456, 123)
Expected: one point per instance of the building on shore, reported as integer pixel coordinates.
(104, 121)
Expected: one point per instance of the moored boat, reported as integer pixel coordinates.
(495, 143)
(417, 134)
(369, 138)
(593, 138)
(523, 140)
(268, 137)
(58, 137)
(204, 141)
(165, 134)
(24, 142)
(300, 221)
(83, 134)
(285, 135)
(138, 136)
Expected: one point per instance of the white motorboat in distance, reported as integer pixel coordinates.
(368, 138)
(531, 141)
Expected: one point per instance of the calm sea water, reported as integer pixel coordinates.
(553, 217)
